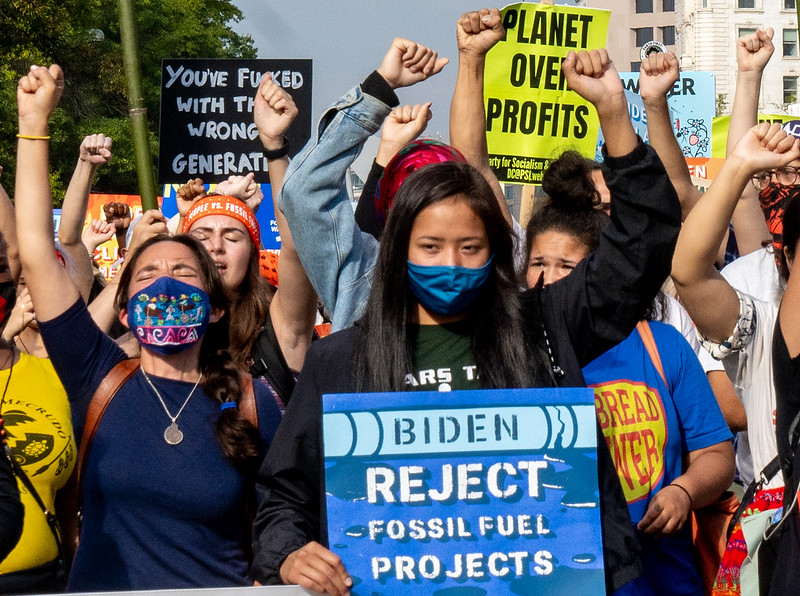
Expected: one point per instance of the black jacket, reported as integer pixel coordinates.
(11, 510)
(584, 314)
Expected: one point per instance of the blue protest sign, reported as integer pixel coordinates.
(490, 490)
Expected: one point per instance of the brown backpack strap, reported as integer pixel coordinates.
(643, 327)
(70, 503)
(247, 404)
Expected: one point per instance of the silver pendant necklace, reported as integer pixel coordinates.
(172, 435)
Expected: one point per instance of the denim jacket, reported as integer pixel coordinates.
(338, 257)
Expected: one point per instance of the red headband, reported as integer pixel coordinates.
(224, 205)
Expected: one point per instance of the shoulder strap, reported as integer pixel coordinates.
(643, 327)
(73, 491)
(247, 404)
(108, 388)
(268, 362)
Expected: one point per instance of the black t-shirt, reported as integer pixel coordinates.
(786, 377)
(443, 359)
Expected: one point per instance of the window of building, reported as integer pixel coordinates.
(789, 5)
(745, 3)
(668, 5)
(746, 31)
(645, 6)
(790, 42)
(643, 35)
(789, 89)
(668, 35)
(703, 3)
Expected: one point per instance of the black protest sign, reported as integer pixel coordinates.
(207, 127)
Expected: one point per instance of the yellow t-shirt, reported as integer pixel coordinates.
(39, 433)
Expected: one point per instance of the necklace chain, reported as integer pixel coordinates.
(161, 399)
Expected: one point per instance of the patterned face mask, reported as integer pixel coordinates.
(169, 316)
(773, 200)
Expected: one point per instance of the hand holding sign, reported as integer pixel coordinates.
(658, 73)
(403, 125)
(477, 32)
(316, 568)
(753, 51)
(766, 147)
(273, 112)
(96, 149)
(408, 62)
(38, 93)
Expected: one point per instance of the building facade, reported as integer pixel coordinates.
(703, 35)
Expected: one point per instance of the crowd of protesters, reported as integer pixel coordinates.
(178, 407)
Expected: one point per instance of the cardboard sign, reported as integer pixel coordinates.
(207, 128)
(531, 115)
(485, 490)
(107, 256)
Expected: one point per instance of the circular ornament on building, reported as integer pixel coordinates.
(650, 47)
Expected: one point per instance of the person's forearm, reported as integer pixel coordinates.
(468, 121)
(706, 225)
(8, 228)
(748, 222)
(620, 138)
(76, 199)
(467, 114)
(709, 475)
(744, 111)
(662, 139)
(35, 231)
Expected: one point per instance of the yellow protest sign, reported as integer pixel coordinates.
(531, 115)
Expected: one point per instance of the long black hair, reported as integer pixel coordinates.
(221, 378)
(791, 233)
(384, 346)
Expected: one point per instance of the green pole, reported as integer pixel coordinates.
(137, 111)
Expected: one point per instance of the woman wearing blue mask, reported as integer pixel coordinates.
(445, 300)
(172, 461)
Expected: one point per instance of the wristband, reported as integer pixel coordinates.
(278, 153)
(34, 137)
(683, 488)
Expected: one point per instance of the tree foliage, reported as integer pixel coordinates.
(95, 100)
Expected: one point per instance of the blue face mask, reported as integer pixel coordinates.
(447, 290)
(169, 316)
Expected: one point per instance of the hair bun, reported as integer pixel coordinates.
(568, 182)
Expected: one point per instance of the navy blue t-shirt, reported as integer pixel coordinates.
(155, 516)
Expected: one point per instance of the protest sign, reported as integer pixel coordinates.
(490, 490)
(106, 256)
(531, 115)
(206, 128)
(692, 104)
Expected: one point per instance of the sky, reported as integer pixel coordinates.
(347, 40)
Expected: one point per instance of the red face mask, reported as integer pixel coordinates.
(8, 298)
(774, 199)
